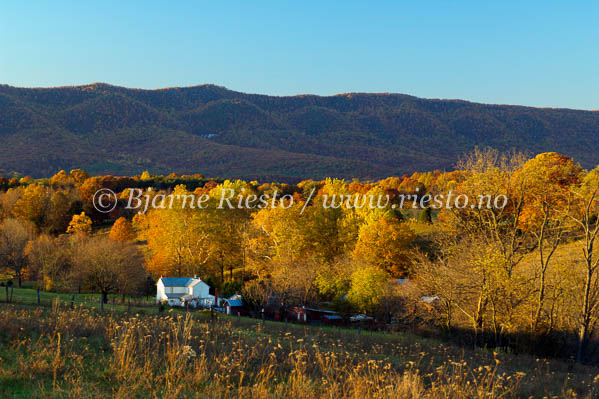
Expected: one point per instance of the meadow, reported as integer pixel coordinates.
(119, 303)
(58, 352)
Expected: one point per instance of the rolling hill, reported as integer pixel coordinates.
(208, 129)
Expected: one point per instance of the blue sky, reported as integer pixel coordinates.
(539, 53)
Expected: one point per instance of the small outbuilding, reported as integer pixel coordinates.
(313, 315)
(234, 305)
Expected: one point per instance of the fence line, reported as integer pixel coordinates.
(25, 296)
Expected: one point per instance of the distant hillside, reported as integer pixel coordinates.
(218, 132)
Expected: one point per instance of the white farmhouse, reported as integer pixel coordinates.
(178, 291)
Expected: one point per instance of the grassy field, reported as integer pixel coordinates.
(28, 296)
(59, 352)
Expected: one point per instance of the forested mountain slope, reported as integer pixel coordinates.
(218, 132)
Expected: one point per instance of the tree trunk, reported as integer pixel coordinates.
(586, 317)
(478, 319)
(540, 302)
(222, 267)
(103, 300)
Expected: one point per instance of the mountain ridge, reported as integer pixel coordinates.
(350, 93)
(212, 130)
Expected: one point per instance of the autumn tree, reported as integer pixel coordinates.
(295, 282)
(333, 282)
(547, 181)
(122, 230)
(49, 209)
(257, 293)
(108, 266)
(33, 204)
(80, 224)
(87, 190)
(178, 238)
(78, 175)
(8, 200)
(47, 256)
(469, 277)
(14, 236)
(489, 175)
(367, 287)
(284, 231)
(61, 179)
(387, 244)
(61, 209)
(228, 243)
(584, 214)
(145, 176)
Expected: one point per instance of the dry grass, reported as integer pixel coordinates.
(63, 353)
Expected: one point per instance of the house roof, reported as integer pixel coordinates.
(235, 300)
(178, 281)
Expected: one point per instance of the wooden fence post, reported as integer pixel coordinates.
(72, 301)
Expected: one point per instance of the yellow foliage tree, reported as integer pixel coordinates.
(178, 238)
(80, 224)
(79, 175)
(145, 176)
(61, 178)
(368, 285)
(33, 204)
(385, 244)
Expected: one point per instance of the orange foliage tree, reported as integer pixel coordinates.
(122, 230)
